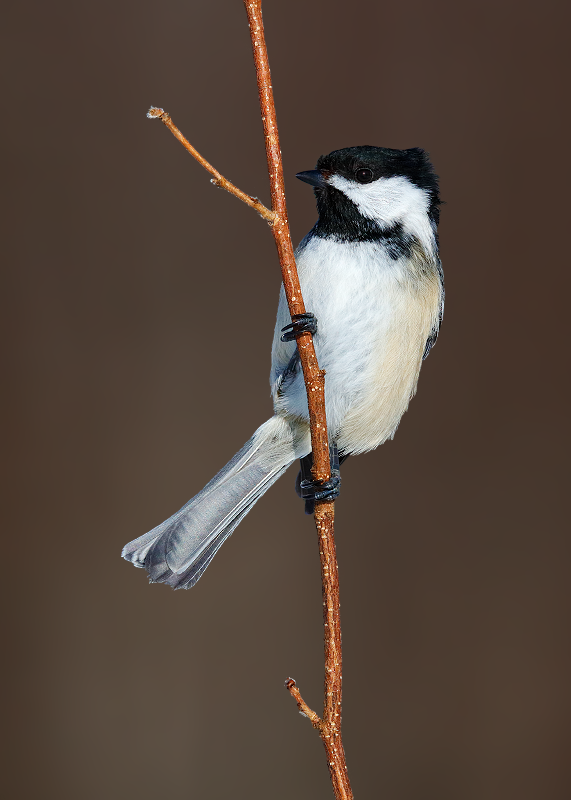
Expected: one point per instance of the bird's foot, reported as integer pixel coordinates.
(314, 490)
(311, 490)
(301, 323)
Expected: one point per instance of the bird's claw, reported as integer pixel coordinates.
(301, 323)
(312, 491)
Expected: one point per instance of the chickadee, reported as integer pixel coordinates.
(370, 272)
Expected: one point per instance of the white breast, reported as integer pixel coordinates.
(374, 317)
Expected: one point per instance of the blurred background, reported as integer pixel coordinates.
(132, 374)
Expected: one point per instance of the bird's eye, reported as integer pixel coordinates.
(364, 175)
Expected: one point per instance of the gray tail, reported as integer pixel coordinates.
(178, 551)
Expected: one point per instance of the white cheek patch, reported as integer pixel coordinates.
(388, 201)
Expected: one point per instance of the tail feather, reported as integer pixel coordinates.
(190, 576)
(178, 551)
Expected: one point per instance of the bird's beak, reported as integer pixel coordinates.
(314, 177)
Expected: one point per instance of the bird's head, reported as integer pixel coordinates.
(363, 190)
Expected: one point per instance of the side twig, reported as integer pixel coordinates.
(329, 726)
(217, 178)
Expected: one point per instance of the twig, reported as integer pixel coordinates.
(217, 179)
(329, 726)
(304, 709)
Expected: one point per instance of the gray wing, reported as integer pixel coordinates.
(431, 341)
(285, 358)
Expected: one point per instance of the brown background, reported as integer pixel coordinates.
(133, 372)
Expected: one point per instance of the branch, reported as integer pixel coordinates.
(329, 726)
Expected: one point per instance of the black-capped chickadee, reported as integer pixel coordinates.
(371, 275)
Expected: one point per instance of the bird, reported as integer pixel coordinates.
(371, 274)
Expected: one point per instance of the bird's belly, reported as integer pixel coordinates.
(386, 384)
